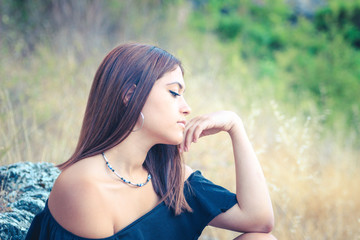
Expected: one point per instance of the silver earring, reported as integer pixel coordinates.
(142, 123)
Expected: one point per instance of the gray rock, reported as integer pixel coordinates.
(25, 188)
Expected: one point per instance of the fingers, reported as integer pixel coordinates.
(206, 125)
(194, 130)
(188, 135)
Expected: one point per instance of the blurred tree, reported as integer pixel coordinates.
(306, 53)
(22, 23)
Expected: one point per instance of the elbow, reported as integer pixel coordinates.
(262, 223)
(268, 227)
(266, 222)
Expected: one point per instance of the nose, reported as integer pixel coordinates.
(185, 108)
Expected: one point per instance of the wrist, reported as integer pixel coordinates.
(237, 126)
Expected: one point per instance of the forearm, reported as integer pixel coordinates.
(254, 211)
(251, 189)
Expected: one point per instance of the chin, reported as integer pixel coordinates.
(174, 140)
(180, 139)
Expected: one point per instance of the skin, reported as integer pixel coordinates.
(253, 213)
(88, 200)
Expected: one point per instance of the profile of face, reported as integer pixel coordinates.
(165, 109)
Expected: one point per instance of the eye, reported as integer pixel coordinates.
(175, 94)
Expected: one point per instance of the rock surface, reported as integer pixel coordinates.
(24, 189)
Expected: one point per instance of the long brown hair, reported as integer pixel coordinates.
(109, 118)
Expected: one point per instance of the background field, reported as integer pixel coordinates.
(290, 70)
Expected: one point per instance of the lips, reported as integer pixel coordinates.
(182, 123)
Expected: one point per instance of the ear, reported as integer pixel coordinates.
(129, 94)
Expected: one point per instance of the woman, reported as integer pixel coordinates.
(126, 178)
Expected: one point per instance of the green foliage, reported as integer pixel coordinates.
(301, 59)
(340, 17)
(251, 23)
(23, 22)
(229, 26)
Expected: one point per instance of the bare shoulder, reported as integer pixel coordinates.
(188, 171)
(76, 203)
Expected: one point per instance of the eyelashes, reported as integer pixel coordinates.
(175, 94)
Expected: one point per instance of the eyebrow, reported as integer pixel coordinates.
(180, 85)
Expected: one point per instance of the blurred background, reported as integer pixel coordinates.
(289, 68)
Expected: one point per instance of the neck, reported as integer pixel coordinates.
(127, 158)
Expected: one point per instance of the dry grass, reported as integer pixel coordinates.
(313, 185)
(313, 181)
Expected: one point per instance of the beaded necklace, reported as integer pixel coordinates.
(123, 179)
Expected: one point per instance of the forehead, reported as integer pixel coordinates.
(174, 77)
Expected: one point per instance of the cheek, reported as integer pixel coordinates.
(161, 110)
(155, 119)
(162, 126)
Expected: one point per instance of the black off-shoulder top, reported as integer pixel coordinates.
(206, 199)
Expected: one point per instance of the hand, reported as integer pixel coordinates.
(207, 125)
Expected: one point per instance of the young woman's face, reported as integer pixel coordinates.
(166, 108)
